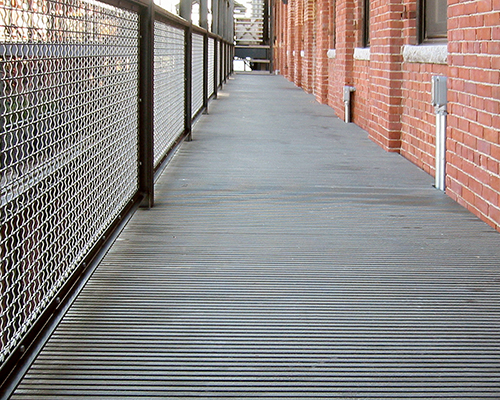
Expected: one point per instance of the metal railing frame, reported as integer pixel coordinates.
(28, 346)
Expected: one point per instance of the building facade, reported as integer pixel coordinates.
(388, 51)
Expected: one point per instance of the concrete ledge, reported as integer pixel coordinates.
(427, 54)
(362, 53)
(332, 53)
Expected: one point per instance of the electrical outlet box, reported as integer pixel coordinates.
(439, 91)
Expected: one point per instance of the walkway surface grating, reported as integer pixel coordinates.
(287, 257)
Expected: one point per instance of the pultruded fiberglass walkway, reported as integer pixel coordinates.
(287, 257)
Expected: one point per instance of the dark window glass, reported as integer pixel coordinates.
(435, 18)
(333, 18)
(432, 19)
(366, 23)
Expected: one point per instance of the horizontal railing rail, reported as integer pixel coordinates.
(94, 98)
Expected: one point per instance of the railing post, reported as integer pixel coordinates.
(225, 62)
(188, 76)
(185, 11)
(223, 19)
(215, 16)
(146, 65)
(205, 72)
(204, 25)
(204, 14)
(216, 68)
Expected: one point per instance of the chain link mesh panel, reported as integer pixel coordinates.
(211, 70)
(68, 137)
(168, 87)
(197, 73)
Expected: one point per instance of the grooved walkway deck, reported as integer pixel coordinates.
(287, 257)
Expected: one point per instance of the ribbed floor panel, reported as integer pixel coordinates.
(287, 257)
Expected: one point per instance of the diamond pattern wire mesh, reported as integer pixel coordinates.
(68, 137)
(197, 71)
(168, 88)
(211, 55)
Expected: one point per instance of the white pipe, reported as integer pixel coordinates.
(347, 102)
(440, 148)
(347, 111)
(439, 94)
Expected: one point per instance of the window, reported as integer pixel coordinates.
(333, 24)
(432, 20)
(366, 24)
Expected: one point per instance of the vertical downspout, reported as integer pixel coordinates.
(347, 102)
(440, 101)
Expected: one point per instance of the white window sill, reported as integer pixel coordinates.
(362, 53)
(426, 54)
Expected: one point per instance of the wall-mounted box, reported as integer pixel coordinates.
(439, 91)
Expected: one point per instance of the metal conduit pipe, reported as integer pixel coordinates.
(347, 102)
(439, 101)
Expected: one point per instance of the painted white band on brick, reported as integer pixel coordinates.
(332, 53)
(428, 54)
(362, 53)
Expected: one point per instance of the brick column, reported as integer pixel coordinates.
(291, 35)
(343, 65)
(298, 41)
(386, 73)
(309, 32)
(278, 29)
(323, 44)
(473, 139)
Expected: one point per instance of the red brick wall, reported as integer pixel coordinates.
(474, 107)
(393, 97)
(308, 42)
(385, 72)
(324, 41)
(361, 78)
(361, 99)
(299, 41)
(418, 120)
(341, 68)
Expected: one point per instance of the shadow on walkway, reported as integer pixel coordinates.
(287, 257)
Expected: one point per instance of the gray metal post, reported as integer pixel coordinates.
(146, 65)
(185, 12)
(216, 68)
(223, 21)
(215, 16)
(185, 9)
(204, 14)
(222, 18)
(205, 73)
(439, 92)
(188, 82)
(231, 21)
(226, 20)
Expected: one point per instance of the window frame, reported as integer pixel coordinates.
(365, 23)
(422, 36)
(333, 24)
